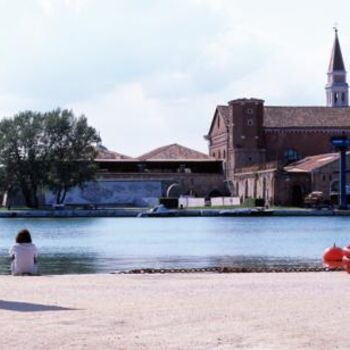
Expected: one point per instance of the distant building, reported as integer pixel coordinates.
(171, 170)
(256, 142)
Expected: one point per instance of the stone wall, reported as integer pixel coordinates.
(259, 184)
(111, 192)
(200, 185)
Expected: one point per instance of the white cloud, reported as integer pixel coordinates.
(132, 122)
(151, 72)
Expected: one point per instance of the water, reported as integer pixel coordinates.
(95, 245)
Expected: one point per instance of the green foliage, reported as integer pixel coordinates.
(71, 142)
(54, 149)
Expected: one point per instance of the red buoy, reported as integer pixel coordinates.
(334, 265)
(346, 251)
(333, 254)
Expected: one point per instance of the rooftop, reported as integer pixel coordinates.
(174, 152)
(306, 117)
(105, 154)
(309, 164)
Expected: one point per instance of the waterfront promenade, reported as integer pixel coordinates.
(135, 212)
(176, 311)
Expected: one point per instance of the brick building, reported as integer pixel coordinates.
(171, 170)
(257, 142)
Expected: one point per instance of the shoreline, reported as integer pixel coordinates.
(229, 270)
(176, 311)
(135, 212)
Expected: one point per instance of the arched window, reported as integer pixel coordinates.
(219, 154)
(291, 155)
(224, 154)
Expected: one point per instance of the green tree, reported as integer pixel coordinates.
(54, 149)
(71, 155)
(21, 154)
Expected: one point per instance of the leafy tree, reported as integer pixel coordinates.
(54, 149)
(71, 157)
(21, 154)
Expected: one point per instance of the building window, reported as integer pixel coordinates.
(291, 155)
(343, 97)
(334, 187)
(224, 154)
(250, 122)
(219, 154)
(323, 177)
(214, 154)
(218, 122)
(249, 111)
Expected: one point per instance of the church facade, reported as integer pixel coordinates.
(257, 143)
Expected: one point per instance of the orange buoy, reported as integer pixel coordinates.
(334, 265)
(333, 254)
(346, 260)
(346, 263)
(346, 251)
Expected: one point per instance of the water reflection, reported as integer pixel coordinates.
(60, 264)
(68, 263)
(93, 245)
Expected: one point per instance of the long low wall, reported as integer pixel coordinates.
(112, 192)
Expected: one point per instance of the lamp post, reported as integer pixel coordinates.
(341, 144)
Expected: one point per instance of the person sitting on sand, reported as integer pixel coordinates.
(24, 255)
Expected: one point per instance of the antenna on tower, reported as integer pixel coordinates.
(335, 27)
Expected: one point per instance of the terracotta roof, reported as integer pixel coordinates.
(103, 154)
(306, 117)
(336, 62)
(174, 152)
(312, 163)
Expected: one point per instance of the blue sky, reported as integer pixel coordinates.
(150, 72)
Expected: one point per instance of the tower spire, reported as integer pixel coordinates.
(337, 87)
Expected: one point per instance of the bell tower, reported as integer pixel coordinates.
(337, 89)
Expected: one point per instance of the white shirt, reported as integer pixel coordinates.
(24, 255)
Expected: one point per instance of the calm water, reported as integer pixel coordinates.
(93, 245)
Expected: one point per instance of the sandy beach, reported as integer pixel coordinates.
(176, 311)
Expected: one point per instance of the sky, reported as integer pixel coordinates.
(148, 73)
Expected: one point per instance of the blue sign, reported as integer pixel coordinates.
(341, 142)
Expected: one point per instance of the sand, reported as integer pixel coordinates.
(176, 311)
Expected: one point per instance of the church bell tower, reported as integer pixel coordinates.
(337, 89)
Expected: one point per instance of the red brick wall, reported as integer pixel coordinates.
(218, 138)
(305, 143)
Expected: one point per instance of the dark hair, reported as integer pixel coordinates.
(23, 236)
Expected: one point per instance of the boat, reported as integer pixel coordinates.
(159, 211)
